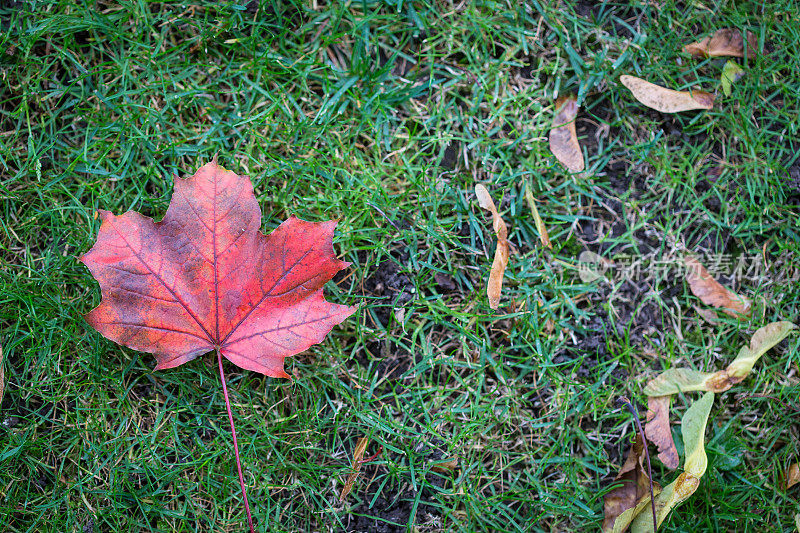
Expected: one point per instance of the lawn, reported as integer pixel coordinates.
(384, 115)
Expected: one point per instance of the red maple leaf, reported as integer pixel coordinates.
(206, 278)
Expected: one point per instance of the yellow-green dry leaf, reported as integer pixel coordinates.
(495, 286)
(677, 380)
(693, 429)
(540, 227)
(731, 73)
(671, 496)
(666, 100)
(797, 522)
(624, 520)
(762, 340)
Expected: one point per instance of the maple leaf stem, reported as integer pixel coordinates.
(235, 443)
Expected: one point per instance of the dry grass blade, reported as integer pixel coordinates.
(540, 227)
(724, 42)
(563, 137)
(361, 445)
(501, 254)
(666, 100)
(710, 292)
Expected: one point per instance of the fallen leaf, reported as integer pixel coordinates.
(710, 292)
(563, 137)
(693, 427)
(658, 431)
(624, 520)
(361, 446)
(792, 476)
(206, 278)
(670, 497)
(762, 340)
(540, 227)
(797, 522)
(666, 100)
(495, 285)
(446, 466)
(677, 380)
(635, 486)
(724, 42)
(731, 73)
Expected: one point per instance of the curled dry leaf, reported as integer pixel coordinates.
(792, 476)
(693, 428)
(710, 292)
(361, 446)
(635, 486)
(563, 137)
(495, 286)
(540, 227)
(666, 100)
(657, 430)
(677, 380)
(724, 42)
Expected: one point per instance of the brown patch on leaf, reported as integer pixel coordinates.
(563, 137)
(657, 430)
(724, 42)
(710, 292)
(666, 100)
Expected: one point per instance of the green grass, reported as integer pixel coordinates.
(384, 115)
